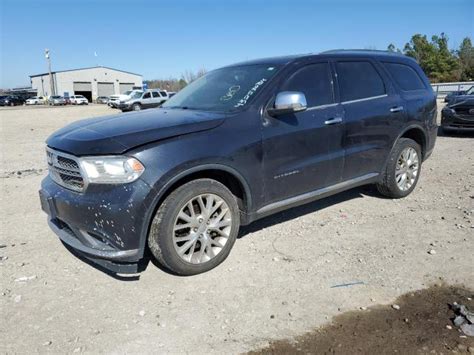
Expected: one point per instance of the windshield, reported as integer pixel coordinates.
(470, 91)
(136, 95)
(225, 89)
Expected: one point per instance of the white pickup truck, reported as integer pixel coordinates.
(114, 100)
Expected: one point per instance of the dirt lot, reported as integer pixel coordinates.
(277, 283)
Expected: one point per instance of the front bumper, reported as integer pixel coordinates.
(450, 120)
(106, 224)
(124, 106)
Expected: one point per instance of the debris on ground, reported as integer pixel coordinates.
(464, 319)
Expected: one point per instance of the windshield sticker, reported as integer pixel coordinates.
(230, 93)
(252, 91)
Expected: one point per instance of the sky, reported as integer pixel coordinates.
(162, 39)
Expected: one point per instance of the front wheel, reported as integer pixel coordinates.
(195, 227)
(136, 107)
(403, 169)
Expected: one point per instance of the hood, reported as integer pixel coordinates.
(118, 133)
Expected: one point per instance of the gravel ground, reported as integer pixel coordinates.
(276, 283)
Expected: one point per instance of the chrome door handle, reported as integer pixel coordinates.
(396, 109)
(334, 120)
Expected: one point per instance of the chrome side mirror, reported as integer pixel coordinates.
(288, 102)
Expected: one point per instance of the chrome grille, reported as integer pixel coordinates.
(64, 169)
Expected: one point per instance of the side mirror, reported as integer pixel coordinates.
(288, 102)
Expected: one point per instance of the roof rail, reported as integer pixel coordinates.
(335, 51)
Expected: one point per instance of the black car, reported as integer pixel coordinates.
(453, 94)
(458, 115)
(11, 100)
(240, 143)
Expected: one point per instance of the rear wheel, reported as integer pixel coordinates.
(195, 227)
(403, 169)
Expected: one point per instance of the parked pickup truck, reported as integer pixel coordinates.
(140, 101)
(240, 143)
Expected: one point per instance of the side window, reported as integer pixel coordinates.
(155, 94)
(163, 93)
(358, 80)
(314, 81)
(405, 76)
(147, 95)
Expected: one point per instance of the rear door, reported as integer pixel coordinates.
(302, 151)
(157, 99)
(373, 116)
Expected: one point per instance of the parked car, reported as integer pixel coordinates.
(56, 100)
(11, 100)
(114, 100)
(78, 100)
(458, 115)
(240, 143)
(171, 94)
(102, 100)
(35, 100)
(140, 101)
(453, 94)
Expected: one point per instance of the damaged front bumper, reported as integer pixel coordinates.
(451, 120)
(106, 226)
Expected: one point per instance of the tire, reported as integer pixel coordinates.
(389, 186)
(136, 107)
(162, 237)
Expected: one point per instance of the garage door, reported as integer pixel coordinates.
(105, 89)
(82, 86)
(125, 87)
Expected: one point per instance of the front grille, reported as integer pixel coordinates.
(64, 169)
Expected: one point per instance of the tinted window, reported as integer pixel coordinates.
(405, 76)
(358, 80)
(146, 95)
(163, 93)
(313, 81)
(155, 94)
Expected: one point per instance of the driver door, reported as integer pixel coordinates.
(302, 151)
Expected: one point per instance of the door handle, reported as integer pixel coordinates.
(396, 109)
(332, 121)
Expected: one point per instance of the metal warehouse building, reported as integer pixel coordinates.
(89, 82)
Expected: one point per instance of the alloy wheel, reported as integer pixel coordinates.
(202, 228)
(407, 168)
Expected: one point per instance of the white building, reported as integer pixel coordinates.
(90, 82)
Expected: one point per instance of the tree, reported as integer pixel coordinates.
(437, 61)
(466, 60)
(190, 76)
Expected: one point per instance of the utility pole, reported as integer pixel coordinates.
(51, 84)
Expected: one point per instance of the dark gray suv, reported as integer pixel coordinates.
(239, 144)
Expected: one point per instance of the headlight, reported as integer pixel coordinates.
(111, 170)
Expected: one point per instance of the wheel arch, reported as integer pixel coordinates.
(417, 134)
(226, 175)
